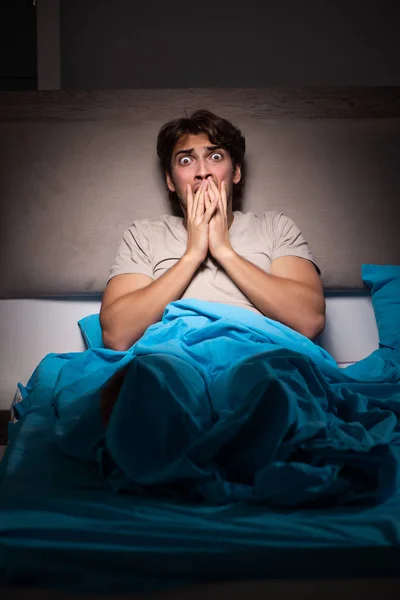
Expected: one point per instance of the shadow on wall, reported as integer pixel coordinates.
(238, 192)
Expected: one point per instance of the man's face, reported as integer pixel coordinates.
(195, 158)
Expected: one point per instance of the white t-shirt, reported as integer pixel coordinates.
(152, 246)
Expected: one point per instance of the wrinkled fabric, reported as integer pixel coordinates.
(311, 450)
(222, 405)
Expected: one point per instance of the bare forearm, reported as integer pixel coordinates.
(292, 303)
(125, 320)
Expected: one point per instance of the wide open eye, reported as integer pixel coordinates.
(187, 158)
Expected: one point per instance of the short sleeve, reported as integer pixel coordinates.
(288, 239)
(133, 255)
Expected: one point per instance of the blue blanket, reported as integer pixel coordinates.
(220, 404)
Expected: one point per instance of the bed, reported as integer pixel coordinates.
(77, 168)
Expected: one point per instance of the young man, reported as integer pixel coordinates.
(211, 253)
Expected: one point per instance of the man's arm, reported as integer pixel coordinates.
(133, 302)
(292, 293)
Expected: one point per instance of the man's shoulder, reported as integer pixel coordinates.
(267, 214)
(164, 221)
(269, 224)
(268, 217)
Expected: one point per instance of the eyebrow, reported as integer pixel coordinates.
(191, 150)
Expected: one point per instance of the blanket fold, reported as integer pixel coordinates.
(220, 404)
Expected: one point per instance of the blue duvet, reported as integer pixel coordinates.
(236, 448)
(220, 404)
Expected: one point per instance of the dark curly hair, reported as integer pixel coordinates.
(219, 131)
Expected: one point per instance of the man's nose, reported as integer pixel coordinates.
(203, 171)
(200, 175)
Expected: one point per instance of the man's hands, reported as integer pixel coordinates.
(198, 221)
(207, 221)
(218, 235)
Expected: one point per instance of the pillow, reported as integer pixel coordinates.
(384, 283)
(91, 331)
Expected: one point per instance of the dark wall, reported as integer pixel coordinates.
(180, 44)
(18, 45)
(124, 44)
